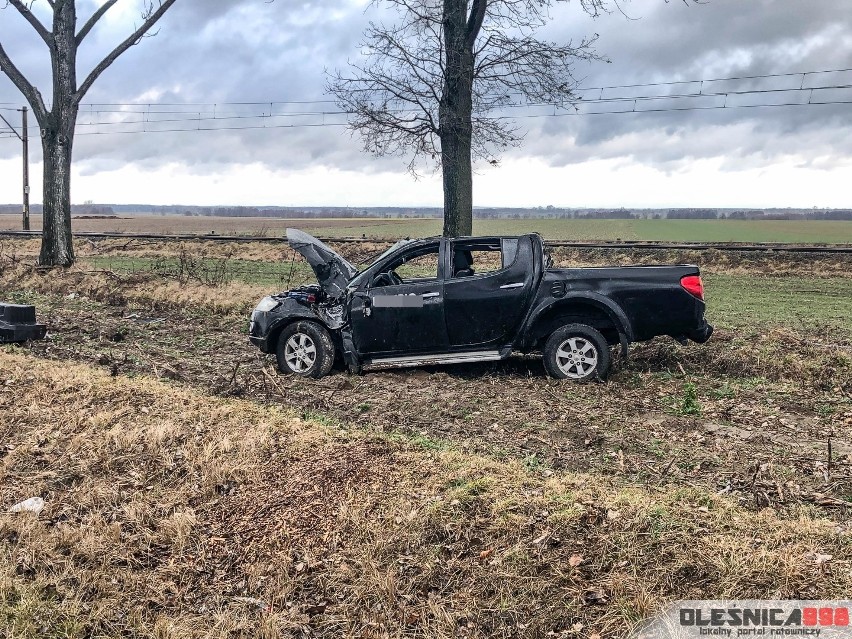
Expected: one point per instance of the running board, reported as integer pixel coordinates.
(438, 358)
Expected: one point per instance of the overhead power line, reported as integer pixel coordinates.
(219, 128)
(797, 74)
(640, 104)
(150, 116)
(519, 116)
(198, 117)
(529, 116)
(766, 76)
(694, 108)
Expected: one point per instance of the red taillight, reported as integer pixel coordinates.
(693, 284)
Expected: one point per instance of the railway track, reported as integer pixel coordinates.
(614, 245)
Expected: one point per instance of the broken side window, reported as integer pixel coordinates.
(510, 251)
(481, 257)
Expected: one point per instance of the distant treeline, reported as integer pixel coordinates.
(713, 214)
(76, 209)
(280, 211)
(547, 212)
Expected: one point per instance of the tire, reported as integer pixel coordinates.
(577, 352)
(305, 349)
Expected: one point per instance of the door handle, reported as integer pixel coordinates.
(515, 285)
(427, 296)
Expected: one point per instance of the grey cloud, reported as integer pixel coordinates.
(249, 50)
(720, 39)
(233, 52)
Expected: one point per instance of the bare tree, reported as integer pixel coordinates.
(433, 85)
(58, 122)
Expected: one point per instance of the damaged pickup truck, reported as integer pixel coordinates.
(472, 299)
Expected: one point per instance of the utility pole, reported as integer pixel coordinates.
(25, 141)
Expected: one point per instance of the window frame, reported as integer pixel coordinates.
(480, 241)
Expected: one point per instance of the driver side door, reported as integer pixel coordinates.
(402, 313)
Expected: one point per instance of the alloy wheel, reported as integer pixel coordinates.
(576, 357)
(300, 352)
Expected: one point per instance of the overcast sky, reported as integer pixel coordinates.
(225, 51)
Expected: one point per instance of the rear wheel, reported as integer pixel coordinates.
(577, 352)
(306, 349)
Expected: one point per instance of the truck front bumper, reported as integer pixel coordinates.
(261, 342)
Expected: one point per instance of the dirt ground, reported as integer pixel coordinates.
(170, 513)
(194, 491)
(756, 428)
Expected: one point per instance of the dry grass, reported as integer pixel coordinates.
(85, 248)
(171, 513)
(144, 289)
(820, 359)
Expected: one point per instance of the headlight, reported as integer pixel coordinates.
(267, 304)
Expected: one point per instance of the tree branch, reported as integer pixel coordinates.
(151, 19)
(24, 10)
(30, 92)
(97, 15)
(397, 99)
(474, 23)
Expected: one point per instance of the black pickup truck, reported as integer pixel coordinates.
(472, 299)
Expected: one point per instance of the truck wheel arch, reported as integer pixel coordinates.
(593, 310)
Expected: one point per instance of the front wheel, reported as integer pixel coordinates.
(306, 349)
(577, 352)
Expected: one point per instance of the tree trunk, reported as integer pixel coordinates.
(57, 248)
(455, 121)
(458, 185)
(57, 130)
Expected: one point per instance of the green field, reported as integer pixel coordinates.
(758, 301)
(788, 231)
(792, 231)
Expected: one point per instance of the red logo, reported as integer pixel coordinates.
(825, 616)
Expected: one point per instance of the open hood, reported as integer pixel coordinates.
(332, 271)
